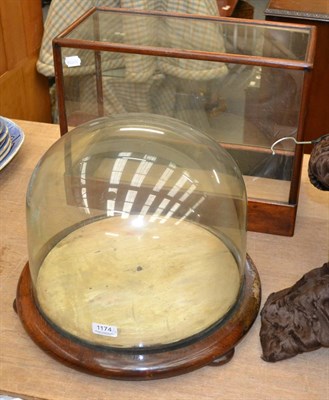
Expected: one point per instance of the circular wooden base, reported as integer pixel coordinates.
(214, 348)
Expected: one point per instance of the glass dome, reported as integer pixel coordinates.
(136, 233)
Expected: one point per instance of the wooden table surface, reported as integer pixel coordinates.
(29, 373)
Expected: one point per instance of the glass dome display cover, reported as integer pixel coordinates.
(137, 250)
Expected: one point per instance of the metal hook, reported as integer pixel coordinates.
(293, 139)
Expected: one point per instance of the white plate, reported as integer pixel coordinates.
(17, 138)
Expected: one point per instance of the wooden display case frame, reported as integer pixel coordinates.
(265, 216)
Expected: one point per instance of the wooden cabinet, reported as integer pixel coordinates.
(315, 12)
(24, 93)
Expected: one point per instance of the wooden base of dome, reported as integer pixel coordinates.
(215, 347)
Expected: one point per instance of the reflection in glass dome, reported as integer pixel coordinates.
(137, 232)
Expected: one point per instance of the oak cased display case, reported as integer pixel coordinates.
(242, 82)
